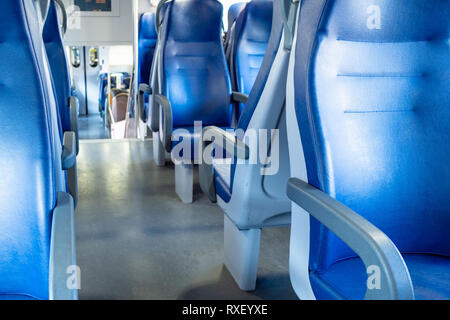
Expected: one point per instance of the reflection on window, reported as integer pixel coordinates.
(93, 57)
(75, 57)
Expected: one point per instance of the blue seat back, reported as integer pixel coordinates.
(252, 32)
(194, 75)
(58, 64)
(372, 102)
(147, 44)
(28, 187)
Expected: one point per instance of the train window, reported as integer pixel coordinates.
(89, 5)
(93, 57)
(75, 57)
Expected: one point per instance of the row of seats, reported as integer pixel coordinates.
(124, 80)
(37, 237)
(360, 108)
(189, 81)
(215, 93)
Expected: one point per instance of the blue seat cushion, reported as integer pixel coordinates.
(346, 279)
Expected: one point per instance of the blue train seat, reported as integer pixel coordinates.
(252, 193)
(147, 45)
(37, 238)
(248, 44)
(67, 104)
(368, 104)
(194, 83)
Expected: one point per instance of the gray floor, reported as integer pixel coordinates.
(136, 240)
(91, 127)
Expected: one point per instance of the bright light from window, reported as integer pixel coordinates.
(121, 56)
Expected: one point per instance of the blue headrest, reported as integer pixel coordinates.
(372, 101)
(233, 12)
(147, 44)
(195, 75)
(252, 34)
(147, 26)
(58, 64)
(27, 190)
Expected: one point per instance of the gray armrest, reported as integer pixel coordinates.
(143, 89)
(239, 97)
(166, 118)
(69, 154)
(226, 141)
(64, 281)
(74, 105)
(370, 243)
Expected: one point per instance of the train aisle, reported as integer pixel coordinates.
(136, 240)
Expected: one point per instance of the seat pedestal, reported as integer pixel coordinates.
(241, 254)
(159, 154)
(184, 182)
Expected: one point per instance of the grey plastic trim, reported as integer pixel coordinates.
(370, 243)
(69, 154)
(143, 89)
(158, 20)
(63, 250)
(74, 106)
(64, 13)
(43, 7)
(166, 119)
(289, 10)
(239, 97)
(206, 173)
(226, 141)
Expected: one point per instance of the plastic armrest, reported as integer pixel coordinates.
(239, 97)
(69, 154)
(166, 118)
(224, 140)
(74, 106)
(143, 89)
(369, 243)
(64, 281)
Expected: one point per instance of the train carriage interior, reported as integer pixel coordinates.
(225, 150)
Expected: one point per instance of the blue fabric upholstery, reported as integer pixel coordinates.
(371, 97)
(147, 44)
(28, 187)
(429, 274)
(251, 36)
(195, 78)
(58, 65)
